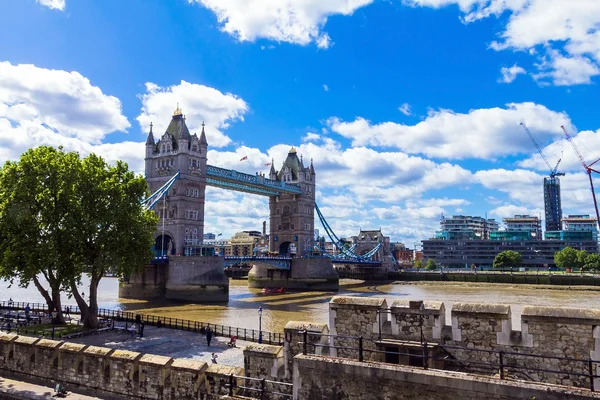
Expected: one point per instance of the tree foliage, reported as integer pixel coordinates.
(570, 258)
(63, 217)
(418, 264)
(508, 259)
(431, 265)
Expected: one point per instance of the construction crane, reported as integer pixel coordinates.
(553, 171)
(588, 169)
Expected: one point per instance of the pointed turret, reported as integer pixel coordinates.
(177, 127)
(203, 135)
(150, 139)
(312, 167)
(272, 172)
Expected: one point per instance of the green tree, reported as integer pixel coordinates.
(570, 258)
(431, 265)
(64, 217)
(508, 259)
(418, 264)
(592, 262)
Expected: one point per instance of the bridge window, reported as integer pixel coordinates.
(191, 214)
(286, 210)
(168, 149)
(293, 227)
(194, 147)
(279, 227)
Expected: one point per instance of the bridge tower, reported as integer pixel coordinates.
(182, 213)
(292, 216)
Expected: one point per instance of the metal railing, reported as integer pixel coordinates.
(261, 390)
(251, 335)
(501, 368)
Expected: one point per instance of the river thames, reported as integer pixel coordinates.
(242, 308)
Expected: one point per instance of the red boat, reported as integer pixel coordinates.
(273, 290)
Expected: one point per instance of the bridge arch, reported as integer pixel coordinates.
(164, 245)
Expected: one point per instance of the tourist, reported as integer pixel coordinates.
(8, 327)
(142, 329)
(158, 323)
(209, 334)
(138, 318)
(214, 358)
(27, 310)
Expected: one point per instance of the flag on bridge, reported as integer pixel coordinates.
(268, 164)
(244, 158)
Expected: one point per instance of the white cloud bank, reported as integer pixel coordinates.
(509, 74)
(566, 33)
(292, 21)
(481, 133)
(198, 102)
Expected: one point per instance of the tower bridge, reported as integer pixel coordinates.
(177, 172)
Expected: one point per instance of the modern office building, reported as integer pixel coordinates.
(464, 227)
(524, 223)
(581, 223)
(552, 204)
(209, 236)
(464, 253)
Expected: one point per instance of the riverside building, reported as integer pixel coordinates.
(522, 234)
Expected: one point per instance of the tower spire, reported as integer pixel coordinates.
(203, 135)
(150, 139)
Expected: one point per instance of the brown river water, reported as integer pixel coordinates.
(278, 309)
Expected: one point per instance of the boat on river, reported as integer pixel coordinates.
(273, 290)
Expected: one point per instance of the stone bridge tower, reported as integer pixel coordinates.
(292, 216)
(182, 212)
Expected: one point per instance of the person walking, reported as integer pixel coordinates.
(27, 311)
(142, 329)
(209, 334)
(214, 358)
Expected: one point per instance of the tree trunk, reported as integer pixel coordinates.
(53, 301)
(89, 313)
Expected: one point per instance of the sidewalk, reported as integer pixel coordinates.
(12, 389)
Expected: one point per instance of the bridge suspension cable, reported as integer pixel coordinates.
(339, 244)
(155, 197)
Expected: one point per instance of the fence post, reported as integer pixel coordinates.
(360, 349)
(501, 359)
(231, 385)
(591, 372)
(425, 355)
(305, 342)
(263, 388)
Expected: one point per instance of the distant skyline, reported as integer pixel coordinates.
(409, 108)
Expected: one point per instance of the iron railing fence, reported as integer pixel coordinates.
(251, 335)
(258, 388)
(501, 368)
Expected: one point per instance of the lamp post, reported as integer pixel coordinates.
(54, 315)
(260, 325)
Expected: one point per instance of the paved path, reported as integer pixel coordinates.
(11, 389)
(171, 343)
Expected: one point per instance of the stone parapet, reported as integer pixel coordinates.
(326, 378)
(317, 340)
(408, 317)
(356, 316)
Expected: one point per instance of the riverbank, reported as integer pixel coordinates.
(484, 285)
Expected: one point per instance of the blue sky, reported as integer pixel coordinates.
(409, 108)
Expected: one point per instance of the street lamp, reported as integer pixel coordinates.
(260, 324)
(54, 315)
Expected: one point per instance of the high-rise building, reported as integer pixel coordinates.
(552, 204)
(466, 228)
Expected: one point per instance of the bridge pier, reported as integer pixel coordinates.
(192, 279)
(365, 272)
(310, 273)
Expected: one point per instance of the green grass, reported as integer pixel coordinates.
(46, 330)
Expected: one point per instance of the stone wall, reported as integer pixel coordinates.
(107, 372)
(355, 316)
(327, 379)
(545, 331)
(316, 338)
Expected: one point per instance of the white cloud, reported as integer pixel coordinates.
(405, 109)
(509, 74)
(292, 21)
(568, 31)
(325, 88)
(198, 102)
(63, 101)
(311, 137)
(482, 133)
(510, 210)
(54, 4)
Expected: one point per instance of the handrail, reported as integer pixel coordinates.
(587, 365)
(250, 335)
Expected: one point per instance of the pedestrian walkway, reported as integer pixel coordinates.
(12, 389)
(170, 343)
